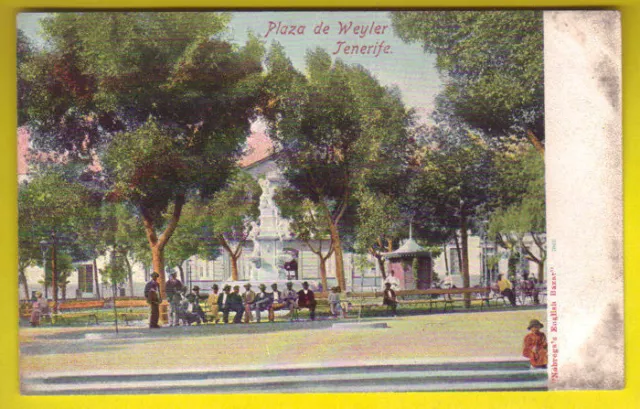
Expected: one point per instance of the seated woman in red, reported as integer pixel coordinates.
(535, 345)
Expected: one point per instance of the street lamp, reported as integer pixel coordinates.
(44, 246)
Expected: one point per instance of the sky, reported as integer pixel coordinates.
(406, 66)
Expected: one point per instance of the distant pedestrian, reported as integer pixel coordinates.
(335, 305)
(393, 280)
(152, 294)
(306, 299)
(173, 290)
(40, 308)
(506, 289)
(535, 345)
(389, 298)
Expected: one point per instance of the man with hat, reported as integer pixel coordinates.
(152, 294)
(187, 310)
(197, 308)
(231, 301)
(277, 302)
(306, 299)
(172, 290)
(262, 301)
(248, 297)
(389, 298)
(212, 301)
(290, 298)
(535, 345)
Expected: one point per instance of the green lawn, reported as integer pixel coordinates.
(457, 335)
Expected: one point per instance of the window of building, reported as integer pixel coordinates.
(85, 278)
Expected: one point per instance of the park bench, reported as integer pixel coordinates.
(447, 297)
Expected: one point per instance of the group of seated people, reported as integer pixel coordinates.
(248, 302)
(528, 286)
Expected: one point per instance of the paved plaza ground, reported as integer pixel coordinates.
(411, 339)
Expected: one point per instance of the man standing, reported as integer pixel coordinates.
(277, 302)
(306, 299)
(248, 297)
(213, 303)
(173, 289)
(152, 294)
(393, 280)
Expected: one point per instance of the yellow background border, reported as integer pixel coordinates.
(9, 387)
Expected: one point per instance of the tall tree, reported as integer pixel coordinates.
(335, 129)
(453, 184)
(493, 65)
(308, 225)
(519, 222)
(52, 207)
(232, 212)
(380, 224)
(162, 98)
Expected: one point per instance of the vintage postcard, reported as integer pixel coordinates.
(217, 202)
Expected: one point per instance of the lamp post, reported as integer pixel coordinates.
(44, 246)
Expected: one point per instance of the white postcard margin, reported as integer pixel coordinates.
(583, 75)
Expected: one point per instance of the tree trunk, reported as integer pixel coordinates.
(181, 270)
(63, 289)
(446, 259)
(95, 277)
(157, 263)
(323, 273)
(234, 267)
(541, 272)
(157, 243)
(54, 281)
(337, 248)
(381, 266)
(129, 270)
(535, 142)
(465, 257)
(25, 285)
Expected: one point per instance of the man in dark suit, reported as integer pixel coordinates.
(231, 301)
(277, 302)
(152, 294)
(389, 298)
(306, 299)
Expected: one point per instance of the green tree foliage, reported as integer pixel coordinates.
(50, 208)
(519, 223)
(335, 129)
(307, 224)
(232, 212)
(492, 63)
(452, 186)
(161, 97)
(380, 224)
(193, 236)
